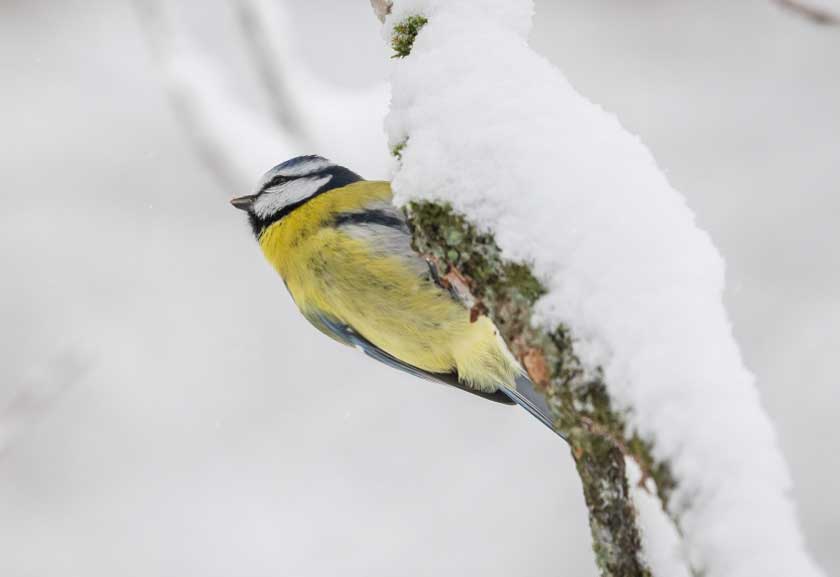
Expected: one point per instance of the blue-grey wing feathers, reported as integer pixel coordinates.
(383, 228)
(345, 334)
(526, 396)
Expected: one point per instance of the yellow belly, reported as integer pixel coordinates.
(386, 302)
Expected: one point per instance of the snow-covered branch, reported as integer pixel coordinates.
(603, 285)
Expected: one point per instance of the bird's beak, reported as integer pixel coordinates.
(243, 202)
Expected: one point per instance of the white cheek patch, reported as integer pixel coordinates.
(283, 195)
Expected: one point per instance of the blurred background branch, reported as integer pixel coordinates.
(237, 141)
(816, 14)
(186, 95)
(44, 386)
(234, 142)
(258, 21)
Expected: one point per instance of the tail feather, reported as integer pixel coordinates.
(526, 396)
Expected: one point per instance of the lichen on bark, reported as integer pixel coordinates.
(402, 38)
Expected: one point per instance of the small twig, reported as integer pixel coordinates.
(382, 8)
(814, 14)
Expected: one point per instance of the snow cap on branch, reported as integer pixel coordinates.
(496, 131)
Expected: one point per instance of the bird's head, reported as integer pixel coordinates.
(290, 185)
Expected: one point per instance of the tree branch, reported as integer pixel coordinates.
(599, 437)
(481, 121)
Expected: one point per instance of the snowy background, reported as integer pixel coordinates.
(164, 410)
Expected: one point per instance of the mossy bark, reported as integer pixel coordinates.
(597, 433)
(404, 34)
(507, 292)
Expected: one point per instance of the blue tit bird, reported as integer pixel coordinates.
(344, 251)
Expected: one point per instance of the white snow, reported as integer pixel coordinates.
(498, 132)
(663, 550)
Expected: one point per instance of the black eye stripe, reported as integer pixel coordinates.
(341, 177)
(277, 180)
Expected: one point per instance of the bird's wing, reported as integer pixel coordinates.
(526, 396)
(345, 334)
(383, 228)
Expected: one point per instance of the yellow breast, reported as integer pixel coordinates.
(380, 295)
